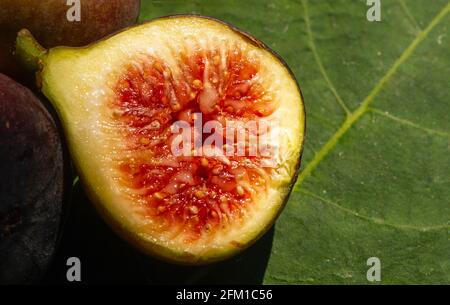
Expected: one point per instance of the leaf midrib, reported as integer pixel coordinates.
(353, 117)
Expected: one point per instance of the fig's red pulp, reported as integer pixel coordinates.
(197, 194)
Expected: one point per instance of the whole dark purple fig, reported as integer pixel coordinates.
(32, 187)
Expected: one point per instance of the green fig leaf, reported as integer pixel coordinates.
(375, 178)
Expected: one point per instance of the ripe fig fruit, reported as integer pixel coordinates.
(31, 185)
(178, 195)
(60, 22)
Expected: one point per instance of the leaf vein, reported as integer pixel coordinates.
(409, 15)
(374, 220)
(363, 108)
(319, 61)
(409, 123)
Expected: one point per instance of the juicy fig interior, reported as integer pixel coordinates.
(119, 101)
(191, 195)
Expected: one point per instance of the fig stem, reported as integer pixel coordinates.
(29, 52)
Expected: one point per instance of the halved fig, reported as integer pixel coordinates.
(194, 196)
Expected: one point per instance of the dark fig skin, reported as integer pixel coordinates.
(47, 20)
(32, 185)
